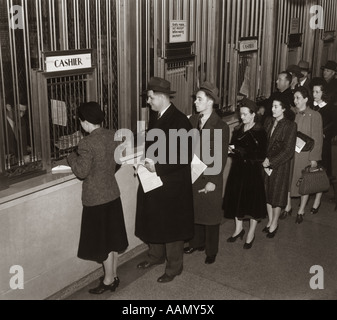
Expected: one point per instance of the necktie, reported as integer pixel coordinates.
(199, 121)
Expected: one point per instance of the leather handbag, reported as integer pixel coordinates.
(309, 142)
(313, 180)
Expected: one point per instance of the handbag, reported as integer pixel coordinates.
(309, 142)
(313, 180)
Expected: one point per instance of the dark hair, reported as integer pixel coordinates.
(288, 113)
(320, 82)
(305, 94)
(289, 77)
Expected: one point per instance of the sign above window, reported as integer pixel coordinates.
(178, 31)
(248, 44)
(58, 61)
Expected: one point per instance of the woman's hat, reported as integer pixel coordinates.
(91, 111)
(159, 85)
(304, 65)
(331, 65)
(251, 105)
(211, 90)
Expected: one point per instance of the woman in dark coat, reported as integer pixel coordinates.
(308, 122)
(245, 194)
(103, 233)
(328, 113)
(281, 134)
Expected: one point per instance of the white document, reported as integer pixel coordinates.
(59, 112)
(197, 168)
(149, 180)
(268, 171)
(299, 144)
(61, 169)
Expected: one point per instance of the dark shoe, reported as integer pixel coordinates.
(299, 218)
(189, 250)
(285, 213)
(240, 235)
(146, 264)
(314, 210)
(272, 234)
(103, 287)
(210, 259)
(248, 245)
(265, 229)
(166, 278)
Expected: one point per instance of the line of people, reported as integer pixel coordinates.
(261, 181)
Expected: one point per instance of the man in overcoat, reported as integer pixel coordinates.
(164, 218)
(207, 189)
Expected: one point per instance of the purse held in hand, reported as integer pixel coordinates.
(313, 180)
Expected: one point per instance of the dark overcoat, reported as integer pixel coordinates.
(208, 206)
(280, 152)
(165, 214)
(245, 193)
(329, 118)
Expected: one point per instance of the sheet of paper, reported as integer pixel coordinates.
(197, 168)
(149, 180)
(268, 171)
(299, 145)
(59, 112)
(61, 169)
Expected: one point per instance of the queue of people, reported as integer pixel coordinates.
(181, 217)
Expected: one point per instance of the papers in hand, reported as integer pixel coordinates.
(149, 180)
(299, 144)
(61, 169)
(197, 168)
(268, 171)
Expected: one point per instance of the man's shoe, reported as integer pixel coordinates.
(146, 264)
(189, 250)
(210, 259)
(166, 278)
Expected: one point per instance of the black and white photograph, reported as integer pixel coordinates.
(168, 155)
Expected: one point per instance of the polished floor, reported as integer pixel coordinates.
(300, 263)
(287, 267)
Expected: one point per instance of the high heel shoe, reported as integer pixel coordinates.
(272, 234)
(248, 245)
(104, 287)
(265, 229)
(314, 210)
(285, 213)
(299, 218)
(240, 235)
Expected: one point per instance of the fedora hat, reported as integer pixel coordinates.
(331, 65)
(294, 69)
(159, 85)
(211, 90)
(91, 112)
(304, 65)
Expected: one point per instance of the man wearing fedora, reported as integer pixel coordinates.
(296, 74)
(207, 189)
(329, 75)
(305, 70)
(164, 218)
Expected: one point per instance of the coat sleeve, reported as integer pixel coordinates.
(317, 134)
(80, 161)
(289, 144)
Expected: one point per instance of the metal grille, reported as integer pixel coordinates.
(64, 95)
(52, 25)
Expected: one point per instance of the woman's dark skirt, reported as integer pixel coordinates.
(102, 231)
